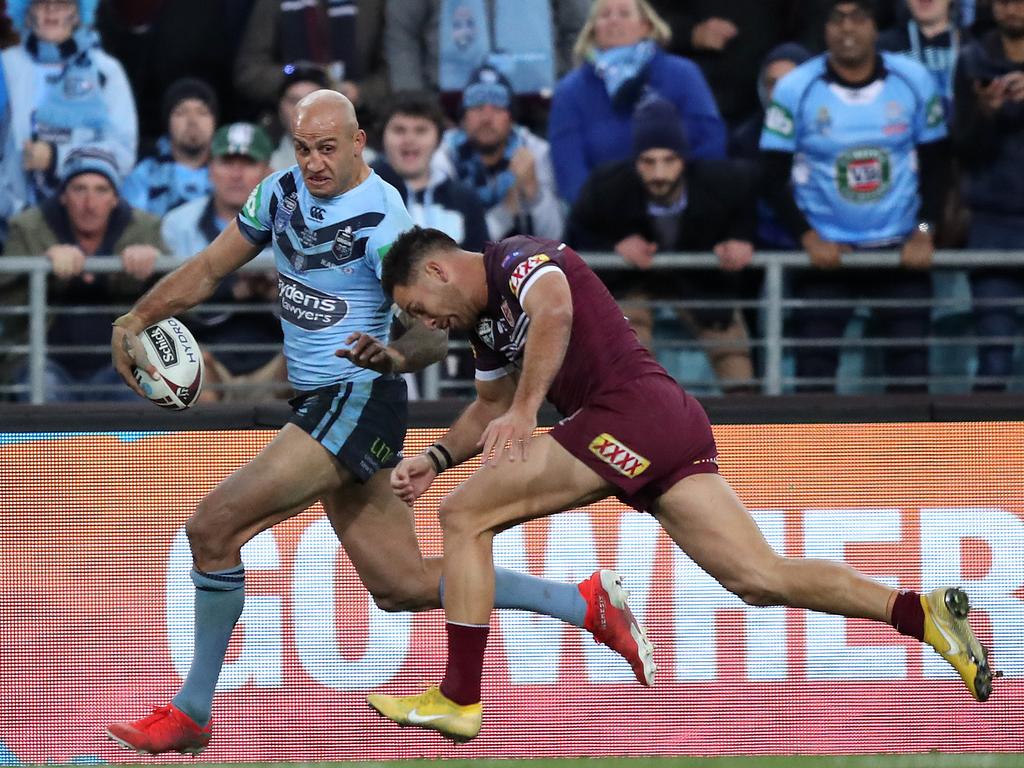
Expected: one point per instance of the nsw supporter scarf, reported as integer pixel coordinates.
(623, 70)
(72, 95)
(321, 32)
(491, 183)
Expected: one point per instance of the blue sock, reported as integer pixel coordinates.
(528, 593)
(220, 597)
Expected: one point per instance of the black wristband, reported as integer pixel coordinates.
(445, 455)
(434, 460)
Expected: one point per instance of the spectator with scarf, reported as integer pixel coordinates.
(507, 166)
(932, 37)
(12, 179)
(178, 172)
(343, 37)
(621, 55)
(65, 92)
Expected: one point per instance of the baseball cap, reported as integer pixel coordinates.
(244, 139)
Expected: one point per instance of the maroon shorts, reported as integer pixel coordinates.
(643, 437)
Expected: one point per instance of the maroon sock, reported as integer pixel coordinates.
(466, 644)
(908, 614)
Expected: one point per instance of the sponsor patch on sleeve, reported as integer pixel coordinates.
(779, 120)
(521, 273)
(251, 209)
(619, 457)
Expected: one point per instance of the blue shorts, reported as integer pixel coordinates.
(362, 424)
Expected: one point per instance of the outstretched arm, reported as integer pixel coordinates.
(413, 350)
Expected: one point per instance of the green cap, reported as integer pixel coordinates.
(244, 139)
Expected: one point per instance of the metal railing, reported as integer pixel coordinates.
(773, 306)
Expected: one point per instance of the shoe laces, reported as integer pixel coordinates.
(158, 714)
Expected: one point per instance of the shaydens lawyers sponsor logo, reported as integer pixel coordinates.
(623, 460)
(307, 307)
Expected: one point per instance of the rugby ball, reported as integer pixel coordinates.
(174, 353)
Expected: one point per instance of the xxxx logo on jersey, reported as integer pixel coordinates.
(623, 460)
(520, 273)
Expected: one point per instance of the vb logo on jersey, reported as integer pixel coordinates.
(863, 175)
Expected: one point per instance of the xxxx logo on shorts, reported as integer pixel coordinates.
(623, 460)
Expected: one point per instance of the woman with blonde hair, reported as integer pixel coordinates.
(620, 56)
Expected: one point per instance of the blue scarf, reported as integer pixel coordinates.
(491, 183)
(624, 70)
(73, 97)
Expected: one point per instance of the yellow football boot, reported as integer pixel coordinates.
(433, 710)
(947, 631)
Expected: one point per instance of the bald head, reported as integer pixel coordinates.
(329, 143)
(326, 107)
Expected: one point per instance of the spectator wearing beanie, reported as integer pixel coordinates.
(664, 200)
(507, 166)
(87, 218)
(620, 54)
(745, 140)
(65, 92)
(178, 172)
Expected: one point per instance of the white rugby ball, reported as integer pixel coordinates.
(174, 353)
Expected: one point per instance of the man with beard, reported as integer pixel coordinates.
(989, 134)
(862, 135)
(178, 173)
(662, 200)
(508, 166)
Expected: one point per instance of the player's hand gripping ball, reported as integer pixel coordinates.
(174, 353)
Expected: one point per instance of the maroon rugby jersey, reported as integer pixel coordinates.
(603, 350)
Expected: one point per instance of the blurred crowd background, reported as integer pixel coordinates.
(137, 128)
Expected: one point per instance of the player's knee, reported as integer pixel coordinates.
(458, 520)
(208, 537)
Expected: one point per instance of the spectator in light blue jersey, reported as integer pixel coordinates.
(12, 180)
(178, 172)
(65, 92)
(862, 136)
(240, 154)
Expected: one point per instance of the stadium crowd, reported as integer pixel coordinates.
(137, 129)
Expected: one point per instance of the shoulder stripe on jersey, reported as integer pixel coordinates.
(532, 278)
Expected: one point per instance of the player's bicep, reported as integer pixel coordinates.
(228, 251)
(547, 293)
(497, 394)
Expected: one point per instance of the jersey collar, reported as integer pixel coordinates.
(878, 73)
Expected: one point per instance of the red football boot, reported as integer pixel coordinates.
(168, 729)
(611, 623)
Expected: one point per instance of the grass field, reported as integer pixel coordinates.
(931, 760)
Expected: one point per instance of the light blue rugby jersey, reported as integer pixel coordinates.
(855, 159)
(329, 253)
